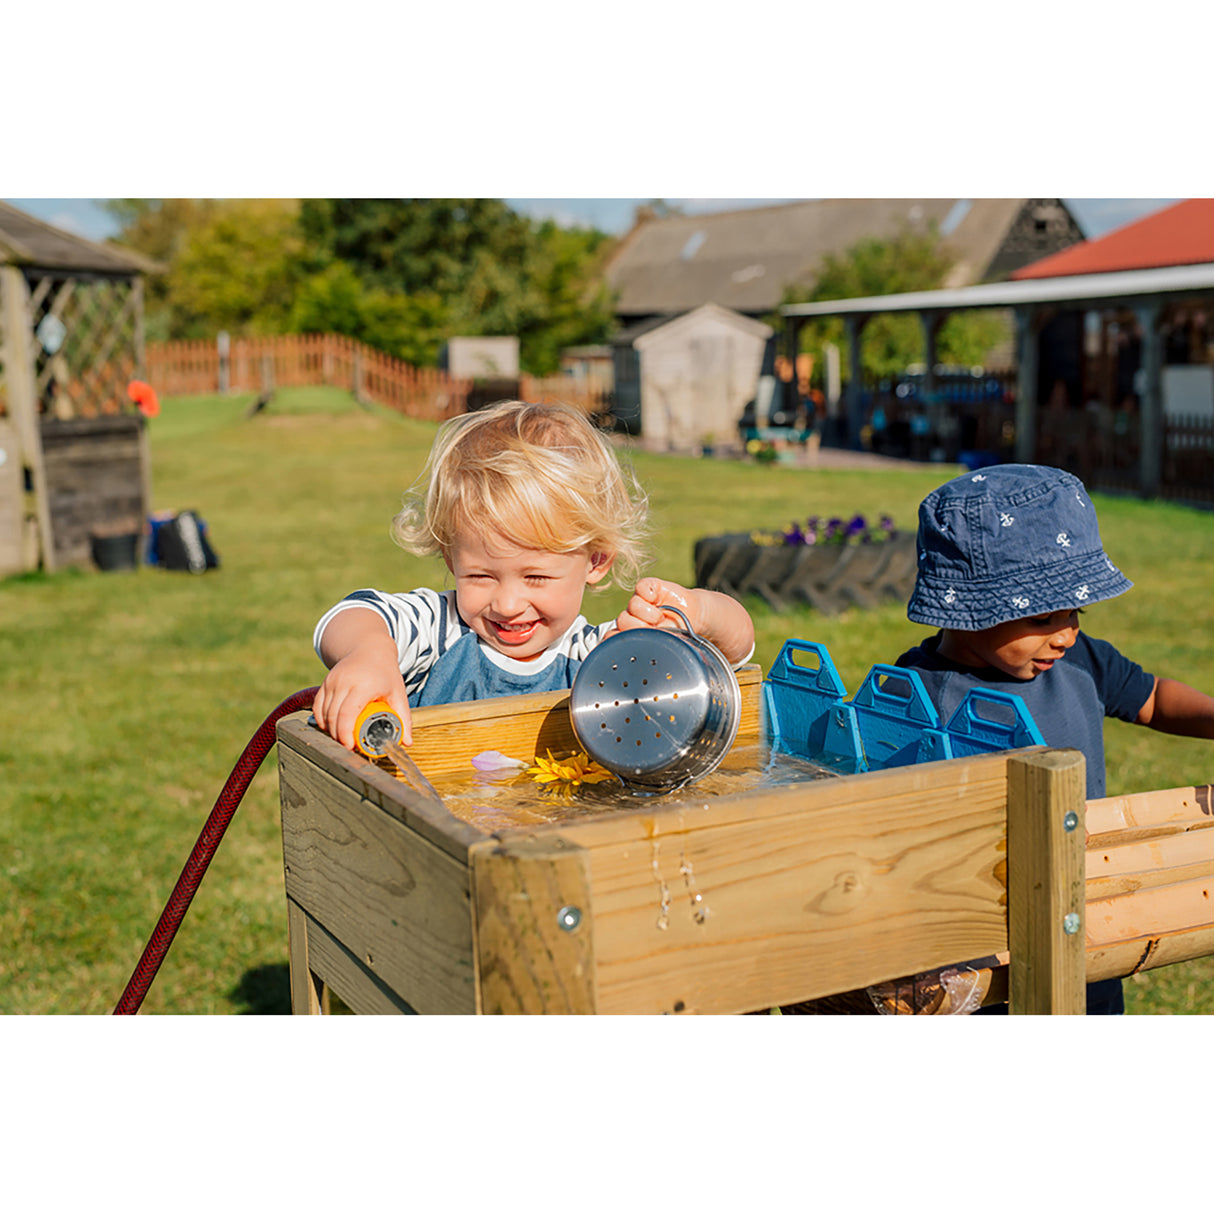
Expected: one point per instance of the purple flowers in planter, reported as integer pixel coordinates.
(838, 531)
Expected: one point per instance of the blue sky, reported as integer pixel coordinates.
(1096, 216)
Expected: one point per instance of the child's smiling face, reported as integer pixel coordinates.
(519, 600)
(1020, 648)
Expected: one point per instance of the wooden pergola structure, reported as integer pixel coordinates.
(71, 339)
(1148, 295)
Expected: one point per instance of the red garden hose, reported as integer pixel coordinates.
(196, 866)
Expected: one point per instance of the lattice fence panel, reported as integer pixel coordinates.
(86, 373)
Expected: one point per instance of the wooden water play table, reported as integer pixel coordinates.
(722, 904)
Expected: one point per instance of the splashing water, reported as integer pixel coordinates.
(494, 801)
(699, 908)
(664, 906)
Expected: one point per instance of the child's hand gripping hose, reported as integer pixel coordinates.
(196, 866)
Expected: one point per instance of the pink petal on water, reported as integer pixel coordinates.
(494, 760)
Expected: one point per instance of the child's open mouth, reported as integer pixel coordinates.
(516, 633)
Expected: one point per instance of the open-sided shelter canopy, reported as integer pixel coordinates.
(1145, 292)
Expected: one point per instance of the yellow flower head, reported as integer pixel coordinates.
(565, 775)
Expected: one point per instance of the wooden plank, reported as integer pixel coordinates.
(677, 813)
(444, 740)
(12, 502)
(95, 472)
(1120, 958)
(1150, 912)
(1122, 867)
(367, 780)
(447, 736)
(23, 408)
(1146, 809)
(387, 894)
(1126, 867)
(534, 927)
(1045, 838)
(309, 995)
(333, 966)
(1162, 830)
(804, 891)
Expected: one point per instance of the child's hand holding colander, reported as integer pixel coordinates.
(715, 617)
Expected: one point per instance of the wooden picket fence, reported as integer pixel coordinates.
(261, 364)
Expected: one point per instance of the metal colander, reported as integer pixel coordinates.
(657, 707)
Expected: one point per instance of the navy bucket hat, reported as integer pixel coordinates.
(1011, 541)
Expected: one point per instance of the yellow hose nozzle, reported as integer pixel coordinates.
(377, 725)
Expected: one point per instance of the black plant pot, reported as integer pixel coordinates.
(115, 552)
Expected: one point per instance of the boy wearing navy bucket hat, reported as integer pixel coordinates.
(1008, 557)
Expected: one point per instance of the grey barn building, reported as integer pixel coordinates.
(744, 259)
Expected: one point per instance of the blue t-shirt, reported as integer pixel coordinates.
(1068, 702)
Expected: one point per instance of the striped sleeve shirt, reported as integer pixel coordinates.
(427, 628)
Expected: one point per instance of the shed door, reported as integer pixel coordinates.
(711, 384)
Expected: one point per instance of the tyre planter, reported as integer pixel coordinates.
(829, 577)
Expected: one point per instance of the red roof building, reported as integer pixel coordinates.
(1179, 235)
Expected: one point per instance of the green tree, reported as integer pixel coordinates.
(891, 341)
(413, 244)
(471, 266)
(574, 305)
(237, 269)
(157, 228)
(402, 274)
(224, 263)
(334, 300)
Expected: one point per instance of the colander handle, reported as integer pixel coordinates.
(679, 612)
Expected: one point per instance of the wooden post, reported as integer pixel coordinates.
(23, 405)
(1026, 384)
(930, 323)
(855, 413)
(792, 395)
(399, 937)
(534, 927)
(141, 360)
(309, 993)
(145, 487)
(13, 523)
(1046, 874)
(832, 389)
(223, 344)
(1150, 413)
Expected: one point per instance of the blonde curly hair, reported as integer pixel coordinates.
(540, 475)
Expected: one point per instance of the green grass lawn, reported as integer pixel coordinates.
(127, 697)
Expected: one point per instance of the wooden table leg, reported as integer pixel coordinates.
(309, 995)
